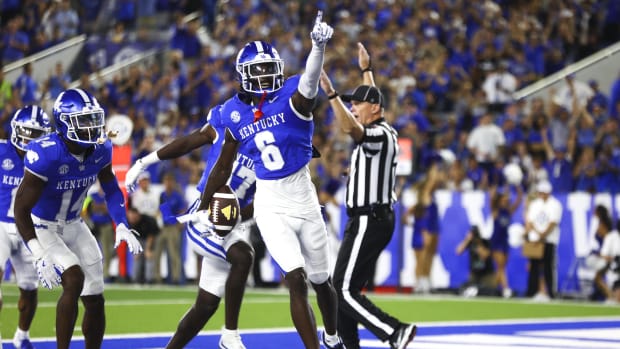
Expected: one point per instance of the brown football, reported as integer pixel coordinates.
(224, 210)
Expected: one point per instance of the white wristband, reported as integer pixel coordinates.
(150, 159)
(35, 247)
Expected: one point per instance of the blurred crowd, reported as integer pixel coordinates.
(448, 70)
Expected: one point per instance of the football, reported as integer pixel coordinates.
(224, 210)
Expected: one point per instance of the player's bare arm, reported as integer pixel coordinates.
(27, 195)
(177, 148)
(247, 212)
(106, 174)
(221, 170)
(183, 145)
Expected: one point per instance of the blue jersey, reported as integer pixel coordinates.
(243, 178)
(67, 178)
(280, 143)
(12, 171)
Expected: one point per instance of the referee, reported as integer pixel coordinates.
(369, 198)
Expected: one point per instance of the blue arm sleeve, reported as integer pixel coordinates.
(115, 201)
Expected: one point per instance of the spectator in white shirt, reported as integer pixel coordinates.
(542, 224)
(486, 141)
(499, 87)
(574, 91)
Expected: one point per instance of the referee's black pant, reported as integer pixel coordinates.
(548, 267)
(365, 237)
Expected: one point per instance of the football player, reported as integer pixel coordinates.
(59, 170)
(27, 124)
(272, 117)
(226, 260)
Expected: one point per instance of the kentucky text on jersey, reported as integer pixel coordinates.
(245, 161)
(11, 180)
(262, 124)
(76, 183)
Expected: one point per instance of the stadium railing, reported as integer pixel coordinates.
(599, 66)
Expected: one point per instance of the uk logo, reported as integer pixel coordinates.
(32, 156)
(64, 169)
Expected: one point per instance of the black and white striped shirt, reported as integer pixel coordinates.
(373, 165)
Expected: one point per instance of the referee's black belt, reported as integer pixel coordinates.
(378, 210)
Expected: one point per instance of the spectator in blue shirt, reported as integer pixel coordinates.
(172, 204)
(599, 97)
(186, 40)
(15, 43)
(522, 69)
(614, 98)
(57, 82)
(26, 87)
(475, 173)
(585, 171)
(559, 167)
(459, 55)
(608, 170)
(126, 12)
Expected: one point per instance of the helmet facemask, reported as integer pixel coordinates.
(24, 132)
(260, 68)
(28, 124)
(85, 127)
(260, 76)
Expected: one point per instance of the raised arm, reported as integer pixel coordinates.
(346, 119)
(365, 65)
(303, 99)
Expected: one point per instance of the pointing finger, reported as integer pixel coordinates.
(319, 17)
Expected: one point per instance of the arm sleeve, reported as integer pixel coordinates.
(309, 81)
(115, 201)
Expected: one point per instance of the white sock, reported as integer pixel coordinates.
(227, 332)
(331, 339)
(21, 334)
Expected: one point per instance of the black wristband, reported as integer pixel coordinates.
(332, 96)
(366, 69)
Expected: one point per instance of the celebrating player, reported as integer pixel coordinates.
(273, 118)
(226, 261)
(28, 123)
(59, 170)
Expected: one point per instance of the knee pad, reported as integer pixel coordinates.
(318, 278)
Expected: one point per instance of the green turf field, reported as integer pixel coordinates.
(134, 309)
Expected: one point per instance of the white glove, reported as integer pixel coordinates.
(201, 222)
(321, 32)
(49, 273)
(128, 235)
(132, 175)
